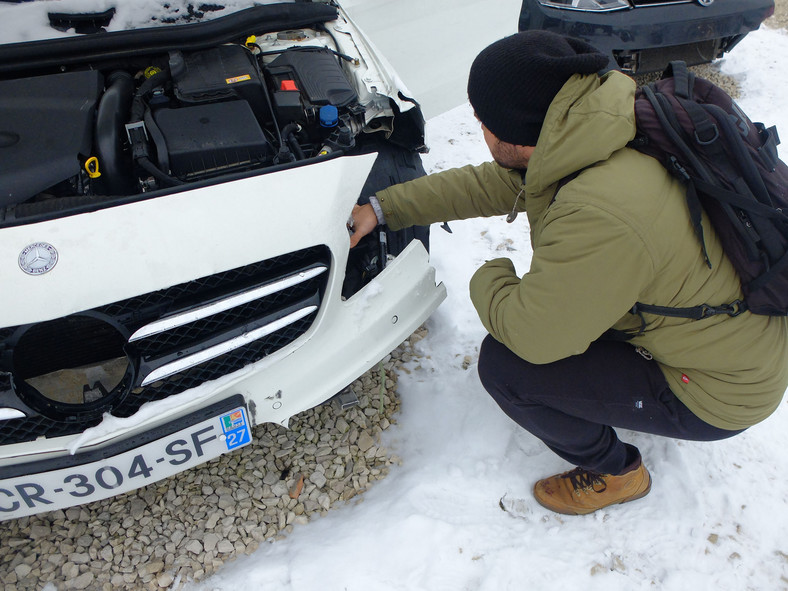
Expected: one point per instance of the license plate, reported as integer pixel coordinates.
(132, 469)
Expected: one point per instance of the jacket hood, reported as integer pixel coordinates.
(589, 119)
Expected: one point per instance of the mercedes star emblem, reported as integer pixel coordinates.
(38, 258)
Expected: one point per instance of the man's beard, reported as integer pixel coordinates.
(505, 164)
(505, 155)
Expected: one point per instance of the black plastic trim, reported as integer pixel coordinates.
(125, 445)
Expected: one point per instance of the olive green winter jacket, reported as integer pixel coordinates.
(617, 234)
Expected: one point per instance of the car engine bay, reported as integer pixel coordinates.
(125, 124)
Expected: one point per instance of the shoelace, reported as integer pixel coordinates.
(584, 480)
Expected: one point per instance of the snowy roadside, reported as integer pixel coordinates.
(715, 519)
(716, 515)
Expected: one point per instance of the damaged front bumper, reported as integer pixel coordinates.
(296, 347)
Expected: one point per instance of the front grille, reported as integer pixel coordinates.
(180, 337)
(637, 3)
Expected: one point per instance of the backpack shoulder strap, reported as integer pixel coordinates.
(671, 127)
(683, 79)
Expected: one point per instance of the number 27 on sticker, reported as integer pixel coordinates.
(236, 428)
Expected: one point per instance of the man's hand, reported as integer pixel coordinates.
(364, 221)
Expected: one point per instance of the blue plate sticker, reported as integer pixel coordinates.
(236, 428)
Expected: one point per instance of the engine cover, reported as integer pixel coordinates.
(46, 124)
(210, 138)
(318, 74)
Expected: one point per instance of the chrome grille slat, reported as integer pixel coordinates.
(190, 361)
(643, 3)
(183, 318)
(11, 413)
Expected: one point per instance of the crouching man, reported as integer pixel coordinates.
(609, 227)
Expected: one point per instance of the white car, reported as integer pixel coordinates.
(173, 227)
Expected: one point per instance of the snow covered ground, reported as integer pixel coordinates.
(717, 514)
(716, 517)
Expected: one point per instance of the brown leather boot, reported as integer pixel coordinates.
(580, 491)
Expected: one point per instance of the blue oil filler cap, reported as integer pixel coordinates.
(328, 116)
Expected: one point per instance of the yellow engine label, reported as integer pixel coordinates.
(238, 79)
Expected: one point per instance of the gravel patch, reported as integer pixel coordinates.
(780, 18)
(710, 72)
(186, 527)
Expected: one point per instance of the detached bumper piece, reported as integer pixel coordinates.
(118, 357)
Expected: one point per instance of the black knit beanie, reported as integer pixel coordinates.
(514, 80)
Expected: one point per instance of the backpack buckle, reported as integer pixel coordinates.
(733, 309)
(704, 142)
(736, 307)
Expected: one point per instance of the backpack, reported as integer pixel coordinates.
(730, 167)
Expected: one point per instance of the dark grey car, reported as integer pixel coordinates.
(645, 35)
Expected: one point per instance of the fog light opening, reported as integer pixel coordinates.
(72, 365)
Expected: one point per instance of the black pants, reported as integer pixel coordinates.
(573, 404)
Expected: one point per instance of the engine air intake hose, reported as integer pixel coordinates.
(138, 135)
(112, 112)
